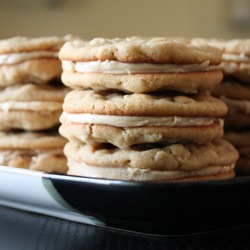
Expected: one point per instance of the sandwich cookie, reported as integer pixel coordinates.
(25, 60)
(237, 97)
(214, 160)
(235, 92)
(140, 65)
(30, 106)
(128, 119)
(140, 109)
(236, 56)
(32, 150)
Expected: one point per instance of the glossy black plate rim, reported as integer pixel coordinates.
(162, 208)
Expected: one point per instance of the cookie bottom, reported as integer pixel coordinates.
(136, 174)
(42, 151)
(181, 157)
(41, 160)
(188, 82)
(126, 137)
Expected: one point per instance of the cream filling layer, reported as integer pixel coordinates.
(137, 121)
(13, 58)
(76, 168)
(31, 106)
(115, 67)
(236, 57)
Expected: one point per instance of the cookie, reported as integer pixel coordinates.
(35, 151)
(140, 65)
(188, 82)
(30, 106)
(232, 90)
(152, 162)
(35, 60)
(157, 104)
(124, 137)
(139, 50)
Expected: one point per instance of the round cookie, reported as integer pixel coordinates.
(24, 59)
(188, 82)
(36, 151)
(140, 50)
(209, 173)
(232, 90)
(152, 162)
(19, 44)
(158, 104)
(30, 106)
(95, 134)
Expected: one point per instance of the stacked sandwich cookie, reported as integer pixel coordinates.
(31, 97)
(235, 92)
(140, 109)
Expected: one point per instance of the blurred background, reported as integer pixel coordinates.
(119, 18)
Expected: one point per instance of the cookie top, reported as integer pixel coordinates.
(31, 140)
(109, 103)
(230, 46)
(26, 44)
(140, 50)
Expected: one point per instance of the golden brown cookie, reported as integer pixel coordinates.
(152, 162)
(232, 90)
(139, 50)
(157, 104)
(188, 82)
(124, 137)
(36, 151)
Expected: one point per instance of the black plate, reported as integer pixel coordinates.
(159, 208)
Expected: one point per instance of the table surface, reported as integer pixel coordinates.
(25, 230)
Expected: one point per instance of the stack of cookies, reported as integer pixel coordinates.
(235, 92)
(31, 97)
(140, 109)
